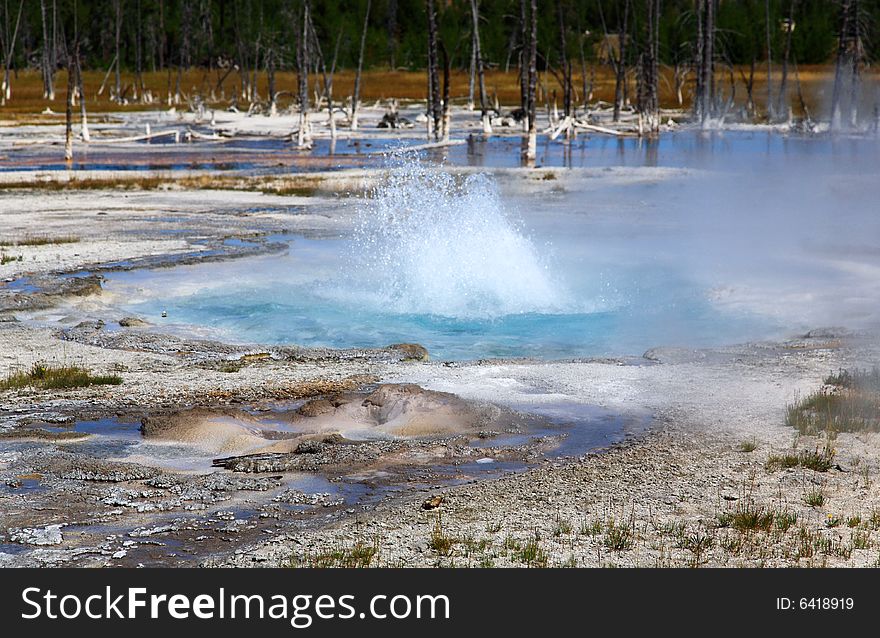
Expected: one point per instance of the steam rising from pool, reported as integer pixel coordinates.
(435, 244)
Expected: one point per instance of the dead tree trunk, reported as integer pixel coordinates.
(524, 64)
(303, 64)
(484, 109)
(843, 51)
(855, 62)
(117, 5)
(434, 109)
(770, 110)
(564, 62)
(708, 83)
(649, 107)
(48, 72)
(472, 75)
(532, 146)
(8, 52)
(71, 87)
(139, 88)
(270, 82)
(84, 133)
(446, 113)
(782, 106)
(620, 75)
(356, 96)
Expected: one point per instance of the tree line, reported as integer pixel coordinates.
(155, 34)
(705, 42)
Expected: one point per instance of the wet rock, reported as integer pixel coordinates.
(295, 497)
(316, 407)
(49, 535)
(411, 351)
(106, 471)
(309, 447)
(432, 503)
(832, 332)
(132, 322)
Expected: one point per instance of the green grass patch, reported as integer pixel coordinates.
(618, 537)
(816, 460)
(56, 378)
(40, 240)
(440, 542)
(815, 497)
(748, 517)
(849, 402)
(358, 555)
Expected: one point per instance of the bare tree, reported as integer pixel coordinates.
(704, 98)
(524, 63)
(117, 7)
(8, 50)
(620, 66)
(484, 110)
(649, 71)
(71, 87)
(532, 146)
(82, 99)
(48, 71)
(564, 65)
(788, 26)
(356, 95)
(850, 53)
(434, 109)
(770, 110)
(303, 69)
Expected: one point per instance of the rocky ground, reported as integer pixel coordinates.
(665, 497)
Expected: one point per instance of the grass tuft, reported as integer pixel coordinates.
(816, 460)
(50, 377)
(41, 240)
(850, 402)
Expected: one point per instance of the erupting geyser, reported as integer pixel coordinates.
(437, 244)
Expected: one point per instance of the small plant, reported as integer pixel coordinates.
(748, 517)
(832, 521)
(532, 554)
(816, 460)
(493, 527)
(41, 240)
(593, 528)
(853, 521)
(440, 542)
(618, 537)
(860, 540)
(748, 446)
(359, 555)
(785, 520)
(56, 377)
(698, 543)
(563, 527)
(815, 497)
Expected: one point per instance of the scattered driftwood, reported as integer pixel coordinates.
(139, 138)
(597, 129)
(424, 147)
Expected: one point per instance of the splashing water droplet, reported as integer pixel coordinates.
(434, 243)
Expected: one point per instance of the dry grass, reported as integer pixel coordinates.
(27, 104)
(56, 378)
(850, 402)
(358, 555)
(298, 185)
(40, 240)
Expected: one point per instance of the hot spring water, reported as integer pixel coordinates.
(613, 269)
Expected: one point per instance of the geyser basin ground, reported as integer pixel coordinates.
(757, 248)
